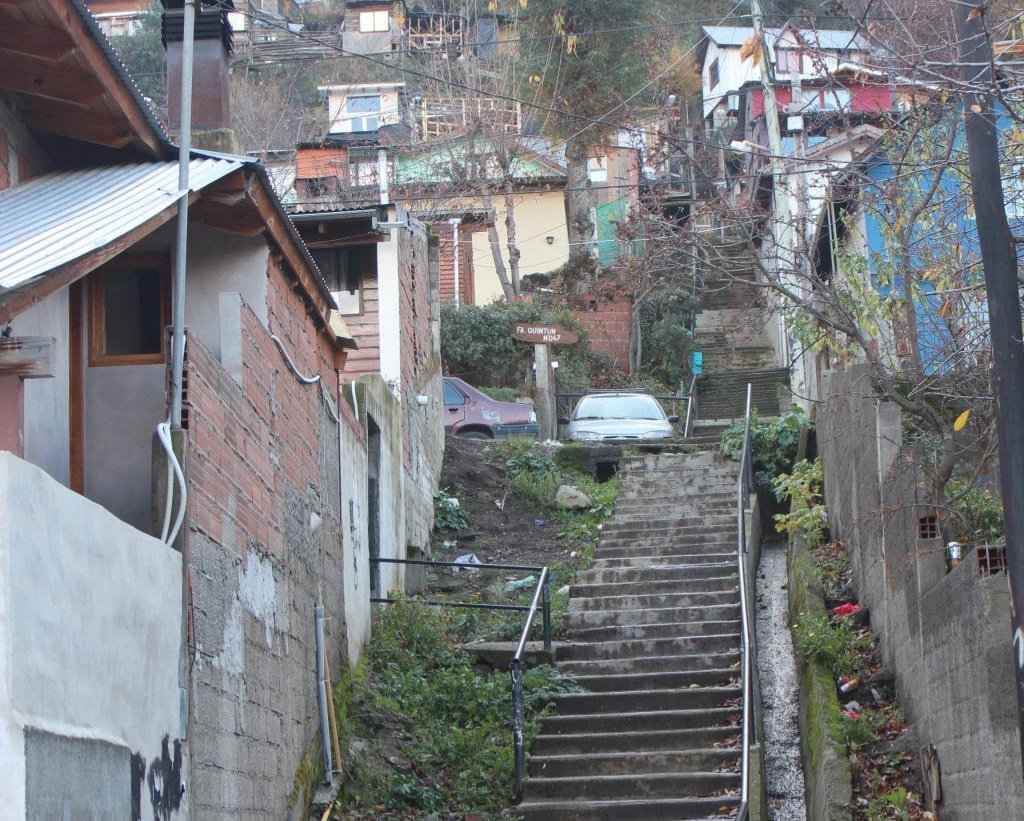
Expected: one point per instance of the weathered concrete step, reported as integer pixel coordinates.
(710, 581)
(644, 809)
(586, 743)
(659, 681)
(655, 504)
(639, 763)
(669, 558)
(590, 619)
(656, 601)
(634, 722)
(645, 701)
(681, 516)
(622, 575)
(669, 525)
(664, 546)
(650, 664)
(663, 785)
(667, 630)
(638, 648)
(665, 530)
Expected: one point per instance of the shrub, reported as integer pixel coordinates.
(976, 516)
(448, 513)
(802, 488)
(773, 444)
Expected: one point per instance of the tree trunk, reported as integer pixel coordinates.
(495, 243)
(510, 229)
(578, 222)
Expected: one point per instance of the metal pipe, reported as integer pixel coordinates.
(321, 691)
(741, 496)
(455, 222)
(547, 614)
(180, 253)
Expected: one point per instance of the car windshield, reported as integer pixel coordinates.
(618, 407)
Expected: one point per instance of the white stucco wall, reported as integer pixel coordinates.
(388, 308)
(90, 627)
(355, 555)
(46, 400)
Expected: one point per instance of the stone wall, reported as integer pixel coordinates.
(264, 546)
(946, 637)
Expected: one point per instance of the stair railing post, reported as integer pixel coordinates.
(518, 723)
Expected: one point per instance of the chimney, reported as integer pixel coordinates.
(211, 109)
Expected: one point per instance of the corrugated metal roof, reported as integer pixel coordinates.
(58, 218)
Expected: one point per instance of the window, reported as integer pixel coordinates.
(363, 112)
(597, 169)
(370, 21)
(362, 172)
(129, 308)
(713, 77)
(787, 61)
(342, 269)
(452, 396)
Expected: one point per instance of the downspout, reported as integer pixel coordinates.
(180, 254)
(455, 222)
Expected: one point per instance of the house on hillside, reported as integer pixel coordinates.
(157, 647)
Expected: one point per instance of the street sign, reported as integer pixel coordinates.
(543, 334)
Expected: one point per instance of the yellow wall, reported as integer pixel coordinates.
(537, 215)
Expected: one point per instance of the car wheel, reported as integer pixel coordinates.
(476, 435)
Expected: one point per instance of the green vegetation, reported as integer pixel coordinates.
(834, 643)
(806, 513)
(773, 443)
(453, 719)
(976, 516)
(448, 514)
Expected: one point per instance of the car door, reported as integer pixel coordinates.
(454, 407)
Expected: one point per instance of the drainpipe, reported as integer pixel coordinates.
(321, 691)
(455, 222)
(180, 254)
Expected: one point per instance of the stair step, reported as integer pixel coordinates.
(658, 573)
(651, 664)
(712, 580)
(630, 559)
(659, 681)
(662, 785)
(591, 619)
(657, 601)
(668, 630)
(642, 648)
(639, 763)
(644, 809)
(695, 738)
(644, 701)
(661, 720)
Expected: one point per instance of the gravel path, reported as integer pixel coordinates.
(779, 689)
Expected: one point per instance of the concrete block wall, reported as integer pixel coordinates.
(946, 636)
(608, 325)
(90, 648)
(263, 457)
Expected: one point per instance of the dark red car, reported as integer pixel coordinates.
(471, 414)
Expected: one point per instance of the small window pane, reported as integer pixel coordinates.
(132, 312)
(452, 396)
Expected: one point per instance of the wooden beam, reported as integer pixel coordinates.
(243, 220)
(30, 357)
(229, 190)
(293, 256)
(90, 53)
(34, 40)
(93, 127)
(16, 300)
(41, 78)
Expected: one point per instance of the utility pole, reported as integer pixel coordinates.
(1000, 265)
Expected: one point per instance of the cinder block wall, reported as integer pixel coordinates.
(263, 456)
(946, 636)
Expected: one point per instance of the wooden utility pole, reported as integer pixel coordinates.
(1000, 265)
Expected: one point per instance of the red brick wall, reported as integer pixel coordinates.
(443, 231)
(608, 325)
(247, 441)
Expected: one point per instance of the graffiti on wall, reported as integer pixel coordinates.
(163, 781)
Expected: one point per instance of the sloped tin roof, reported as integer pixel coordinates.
(58, 218)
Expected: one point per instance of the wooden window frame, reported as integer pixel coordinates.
(160, 264)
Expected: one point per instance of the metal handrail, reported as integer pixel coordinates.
(541, 598)
(743, 485)
(516, 671)
(691, 408)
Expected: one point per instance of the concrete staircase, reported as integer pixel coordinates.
(653, 636)
(731, 333)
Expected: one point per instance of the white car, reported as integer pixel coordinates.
(622, 417)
